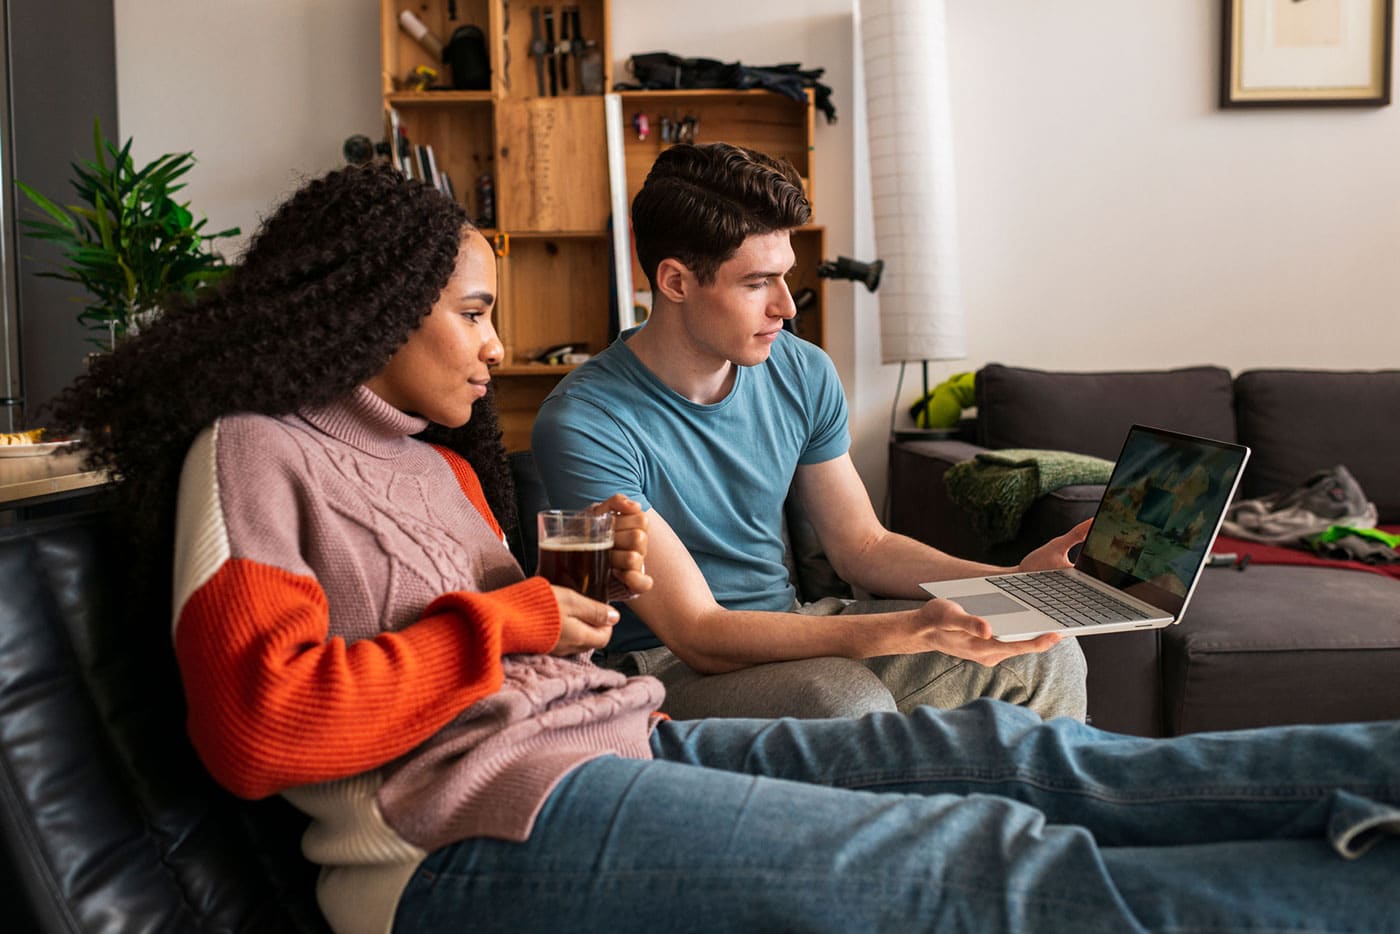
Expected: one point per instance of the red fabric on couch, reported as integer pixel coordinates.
(1260, 553)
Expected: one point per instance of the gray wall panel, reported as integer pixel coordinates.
(62, 74)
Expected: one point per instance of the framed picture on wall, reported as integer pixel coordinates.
(1306, 53)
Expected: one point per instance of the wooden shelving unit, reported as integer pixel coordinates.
(547, 159)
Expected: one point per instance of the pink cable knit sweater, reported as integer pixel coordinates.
(353, 633)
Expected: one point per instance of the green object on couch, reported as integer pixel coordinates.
(943, 405)
(997, 487)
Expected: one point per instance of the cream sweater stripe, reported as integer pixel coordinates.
(201, 538)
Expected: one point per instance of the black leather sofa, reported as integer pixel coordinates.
(111, 824)
(1275, 644)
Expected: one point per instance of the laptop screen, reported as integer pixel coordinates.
(1159, 514)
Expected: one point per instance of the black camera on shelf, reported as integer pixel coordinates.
(846, 268)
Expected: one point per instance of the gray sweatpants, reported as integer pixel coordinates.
(1050, 683)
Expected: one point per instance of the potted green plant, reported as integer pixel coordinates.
(128, 242)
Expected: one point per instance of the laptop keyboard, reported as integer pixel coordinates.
(1065, 599)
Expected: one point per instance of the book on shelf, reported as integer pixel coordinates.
(406, 165)
(427, 164)
(398, 141)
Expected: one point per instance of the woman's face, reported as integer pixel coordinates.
(442, 369)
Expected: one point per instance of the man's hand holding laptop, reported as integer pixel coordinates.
(944, 626)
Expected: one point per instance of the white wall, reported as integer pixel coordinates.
(1110, 215)
(264, 92)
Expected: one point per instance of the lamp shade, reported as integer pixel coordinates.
(909, 114)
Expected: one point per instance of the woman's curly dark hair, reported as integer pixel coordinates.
(328, 289)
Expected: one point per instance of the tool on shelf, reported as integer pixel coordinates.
(424, 36)
(577, 45)
(420, 78)
(537, 47)
(563, 49)
(552, 51)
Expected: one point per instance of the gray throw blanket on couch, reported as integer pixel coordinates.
(1327, 498)
(997, 487)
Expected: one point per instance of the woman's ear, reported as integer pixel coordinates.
(673, 279)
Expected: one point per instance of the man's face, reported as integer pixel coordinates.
(737, 316)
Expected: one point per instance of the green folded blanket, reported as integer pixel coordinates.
(997, 487)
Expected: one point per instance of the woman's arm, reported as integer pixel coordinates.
(275, 702)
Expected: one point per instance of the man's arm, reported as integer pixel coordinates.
(683, 614)
(867, 555)
(861, 550)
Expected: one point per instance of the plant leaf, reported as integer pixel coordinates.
(53, 210)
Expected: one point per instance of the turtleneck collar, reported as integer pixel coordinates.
(366, 422)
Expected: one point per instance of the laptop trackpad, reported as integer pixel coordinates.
(988, 604)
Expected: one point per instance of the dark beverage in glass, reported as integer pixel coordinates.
(577, 564)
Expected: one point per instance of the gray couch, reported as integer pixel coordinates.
(1274, 644)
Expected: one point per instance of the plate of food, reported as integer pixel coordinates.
(31, 444)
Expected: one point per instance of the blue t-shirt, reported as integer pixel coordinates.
(718, 474)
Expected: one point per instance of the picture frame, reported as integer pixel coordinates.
(1306, 53)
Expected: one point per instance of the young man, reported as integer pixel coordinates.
(708, 415)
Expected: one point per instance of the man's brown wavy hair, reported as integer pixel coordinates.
(328, 289)
(700, 203)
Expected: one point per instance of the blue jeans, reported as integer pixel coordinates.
(978, 819)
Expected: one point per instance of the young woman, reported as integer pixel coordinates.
(315, 447)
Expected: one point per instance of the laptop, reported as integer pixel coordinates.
(1139, 564)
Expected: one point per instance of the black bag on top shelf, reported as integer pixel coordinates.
(664, 71)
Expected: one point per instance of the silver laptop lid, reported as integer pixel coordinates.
(1160, 512)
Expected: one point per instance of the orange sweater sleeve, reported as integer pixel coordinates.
(274, 702)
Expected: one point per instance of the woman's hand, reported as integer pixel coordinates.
(585, 624)
(629, 548)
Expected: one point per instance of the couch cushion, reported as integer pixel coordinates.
(1091, 412)
(1279, 644)
(1300, 421)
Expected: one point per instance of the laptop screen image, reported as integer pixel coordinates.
(1160, 511)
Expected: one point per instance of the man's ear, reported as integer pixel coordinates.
(673, 279)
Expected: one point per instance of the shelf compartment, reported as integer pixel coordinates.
(809, 247)
(761, 120)
(463, 141)
(400, 53)
(554, 290)
(519, 78)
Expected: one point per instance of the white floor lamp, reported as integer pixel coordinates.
(909, 118)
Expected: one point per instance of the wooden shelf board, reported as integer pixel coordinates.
(682, 93)
(419, 98)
